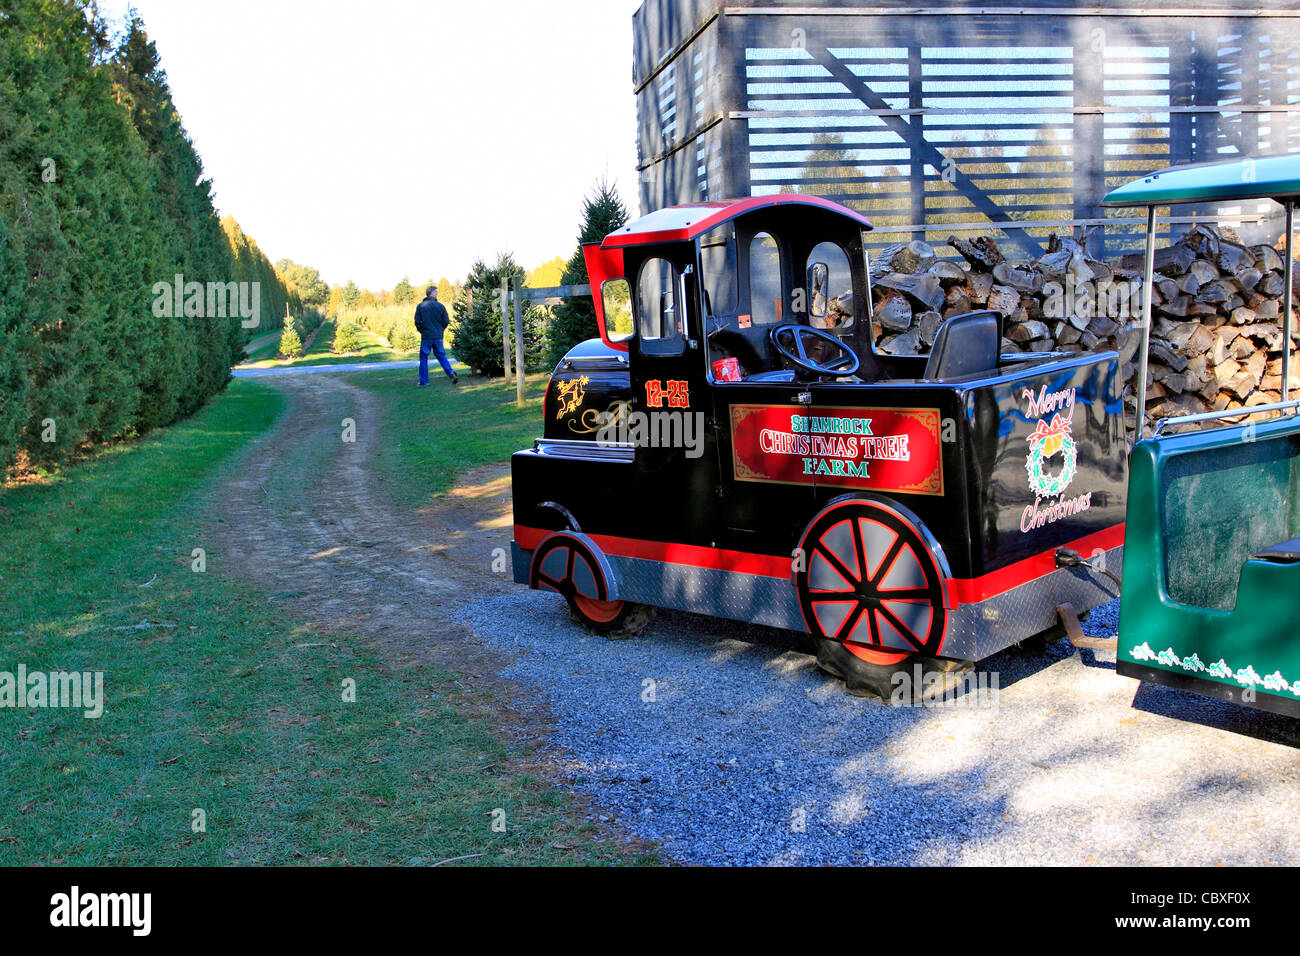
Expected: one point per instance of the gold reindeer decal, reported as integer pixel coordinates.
(571, 394)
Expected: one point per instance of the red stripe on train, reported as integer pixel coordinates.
(960, 590)
(973, 590)
(717, 559)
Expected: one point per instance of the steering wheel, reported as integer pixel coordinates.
(847, 364)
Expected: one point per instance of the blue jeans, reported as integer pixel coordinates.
(434, 346)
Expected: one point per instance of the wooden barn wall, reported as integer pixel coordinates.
(958, 117)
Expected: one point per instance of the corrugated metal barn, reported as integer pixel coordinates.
(950, 118)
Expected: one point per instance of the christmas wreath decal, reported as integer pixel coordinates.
(1048, 439)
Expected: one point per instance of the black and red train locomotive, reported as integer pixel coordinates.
(736, 445)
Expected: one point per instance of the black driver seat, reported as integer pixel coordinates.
(966, 344)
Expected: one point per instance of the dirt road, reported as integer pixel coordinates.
(303, 517)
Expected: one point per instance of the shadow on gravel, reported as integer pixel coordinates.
(724, 744)
(1016, 664)
(1193, 708)
(1217, 714)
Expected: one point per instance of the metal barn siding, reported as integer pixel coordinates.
(960, 118)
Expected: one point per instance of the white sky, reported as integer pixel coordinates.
(386, 138)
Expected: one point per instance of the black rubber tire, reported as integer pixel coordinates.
(864, 679)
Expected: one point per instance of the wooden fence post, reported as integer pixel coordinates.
(519, 348)
(503, 306)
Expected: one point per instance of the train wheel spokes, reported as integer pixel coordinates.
(871, 583)
(567, 565)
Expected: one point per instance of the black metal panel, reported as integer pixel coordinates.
(1001, 494)
(1209, 688)
(589, 386)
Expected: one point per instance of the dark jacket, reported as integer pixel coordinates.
(431, 319)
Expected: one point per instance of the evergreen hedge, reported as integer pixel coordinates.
(103, 198)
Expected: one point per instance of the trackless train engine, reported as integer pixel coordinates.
(734, 445)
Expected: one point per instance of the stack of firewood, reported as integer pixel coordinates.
(1216, 338)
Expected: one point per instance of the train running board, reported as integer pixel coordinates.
(1074, 631)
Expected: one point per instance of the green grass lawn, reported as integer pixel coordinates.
(217, 700)
(435, 433)
(320, 354)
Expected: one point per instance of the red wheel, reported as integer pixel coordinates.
(598, 612)
(568, 565)
(870, 582)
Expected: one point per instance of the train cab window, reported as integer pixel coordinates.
(718, 274)
(830, 288)
(765, 280)
(617, 298)
(659, 317)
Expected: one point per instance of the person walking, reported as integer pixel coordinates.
(431, 322)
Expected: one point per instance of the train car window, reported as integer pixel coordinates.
(765, 280)
(618, 310)
(866, 274)
(718, 272)
(830, 288)
(659, 319)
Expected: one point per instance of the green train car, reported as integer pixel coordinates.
(1210, 600)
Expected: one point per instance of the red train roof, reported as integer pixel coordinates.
(684, 223)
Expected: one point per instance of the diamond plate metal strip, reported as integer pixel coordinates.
(738, 597)
(976, 631)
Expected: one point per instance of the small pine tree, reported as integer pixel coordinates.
(403, 337)
(347, 338)
(477, 331)
(290, 343)
(575, 319)
(403, 294)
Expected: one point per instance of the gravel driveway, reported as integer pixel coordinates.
(740, 750)
(726, 745)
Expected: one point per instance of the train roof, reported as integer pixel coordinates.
(1263, 177)
(689, 222)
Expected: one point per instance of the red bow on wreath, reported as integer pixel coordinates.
(1052, 435)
